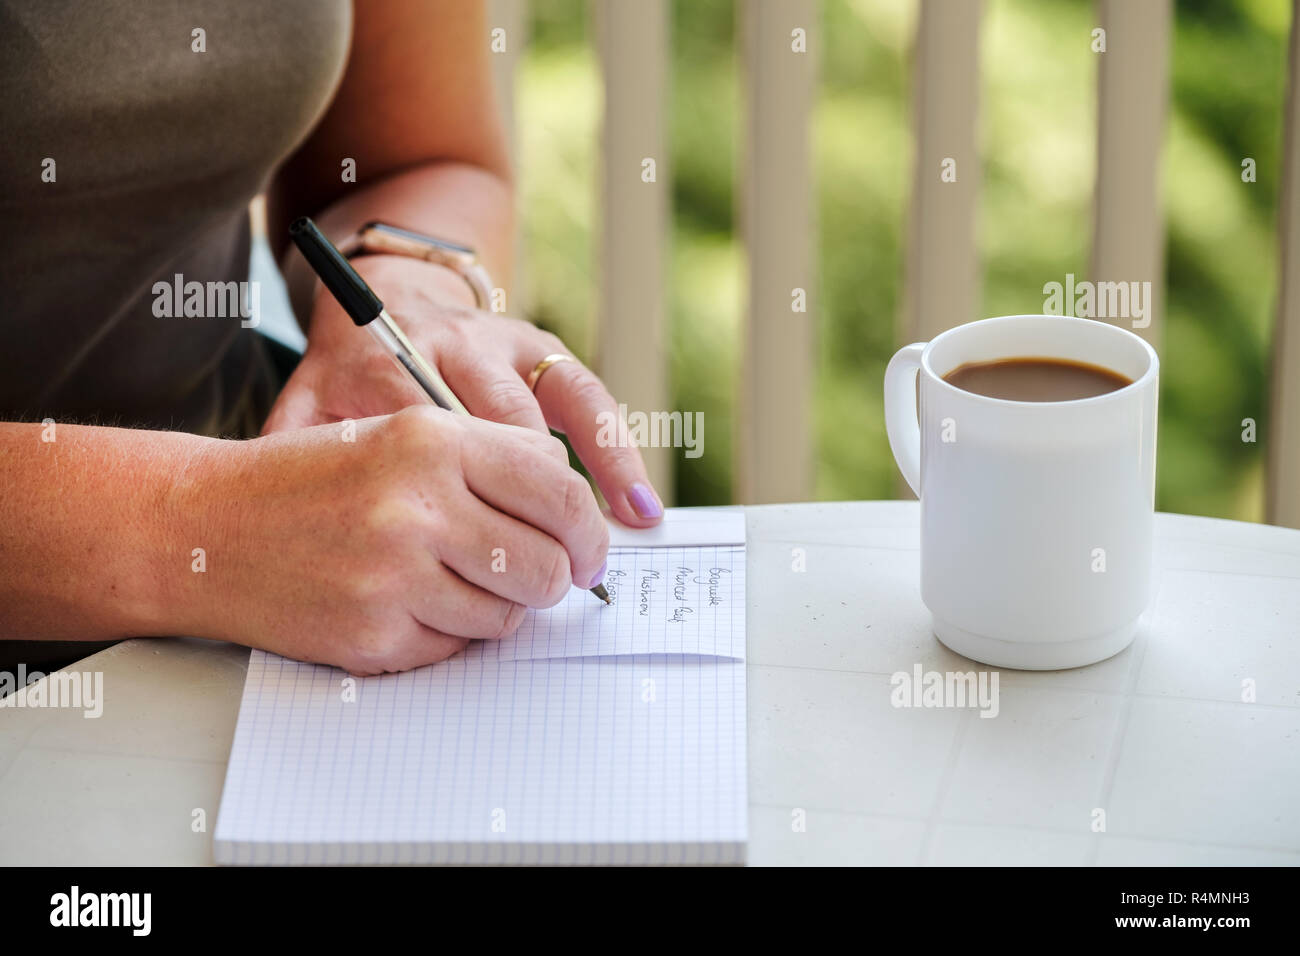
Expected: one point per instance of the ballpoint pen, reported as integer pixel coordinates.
(367, 311)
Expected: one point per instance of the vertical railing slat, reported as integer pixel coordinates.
(942, 263)
(1132, 97)
(775, 451)
(512, 17)
(1283, 449)
(632, 335)
(941, 286)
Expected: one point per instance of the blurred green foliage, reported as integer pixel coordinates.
(1037, 128)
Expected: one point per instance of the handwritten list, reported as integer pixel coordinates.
(665, 601)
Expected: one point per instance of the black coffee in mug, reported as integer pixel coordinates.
(1036, 379)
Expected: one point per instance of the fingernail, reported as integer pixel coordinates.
(600, 576)
(644, 501)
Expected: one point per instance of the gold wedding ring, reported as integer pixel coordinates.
(542, 366)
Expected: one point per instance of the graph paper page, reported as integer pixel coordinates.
(596, 734)
(441, 763)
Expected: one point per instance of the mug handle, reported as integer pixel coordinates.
(901, 424)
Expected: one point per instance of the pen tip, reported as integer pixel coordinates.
(600, 592)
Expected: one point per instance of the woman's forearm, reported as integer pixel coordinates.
(416, 115)
(94, 541)
(457, 201)
(367, 547)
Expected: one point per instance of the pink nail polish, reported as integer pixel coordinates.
(600, 575)
(644, 501)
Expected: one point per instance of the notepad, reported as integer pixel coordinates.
(595, 734)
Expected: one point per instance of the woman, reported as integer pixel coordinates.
(135, 137)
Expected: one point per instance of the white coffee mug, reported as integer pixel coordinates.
(1036, 517)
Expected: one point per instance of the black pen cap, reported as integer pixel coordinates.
(357, 298)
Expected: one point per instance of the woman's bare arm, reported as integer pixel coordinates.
(92, 545)
(369, 546)
(416, 111)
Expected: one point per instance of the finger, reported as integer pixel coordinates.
(452, 605)
(491, 389)
(424, 645)
(576, 402)
(516, 478)
(513, 561)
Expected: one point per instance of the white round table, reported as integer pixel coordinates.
(1183, 749)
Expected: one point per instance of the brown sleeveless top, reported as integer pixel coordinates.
(129, 156)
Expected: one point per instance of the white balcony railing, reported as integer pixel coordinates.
(775, 461)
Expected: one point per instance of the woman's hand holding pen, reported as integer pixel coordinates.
(385, 543)
(484, 358)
